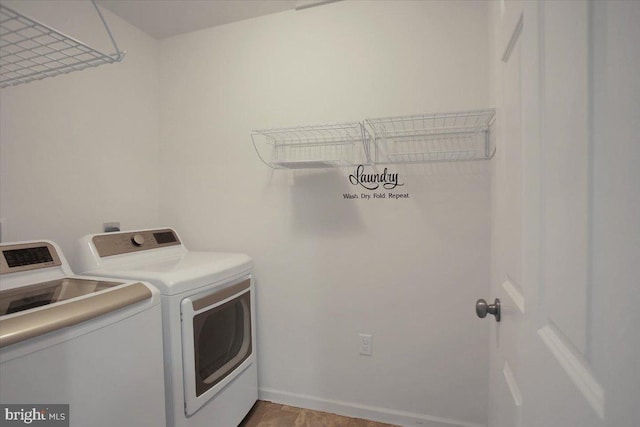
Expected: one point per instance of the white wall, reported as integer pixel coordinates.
(80, 149)
(407, 272)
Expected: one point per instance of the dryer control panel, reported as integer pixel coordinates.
(134, 241)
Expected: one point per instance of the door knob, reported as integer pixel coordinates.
(482, 309)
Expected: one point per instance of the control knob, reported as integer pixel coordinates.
(137, 240)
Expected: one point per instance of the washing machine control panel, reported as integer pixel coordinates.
(27, 256)
(121, 243)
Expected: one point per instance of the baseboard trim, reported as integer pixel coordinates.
(383, 415)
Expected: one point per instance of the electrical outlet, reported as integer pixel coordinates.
(110, 227)
(365, 344)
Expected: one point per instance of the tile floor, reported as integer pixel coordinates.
(267, 414)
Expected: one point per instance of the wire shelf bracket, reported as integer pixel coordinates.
(30, 50)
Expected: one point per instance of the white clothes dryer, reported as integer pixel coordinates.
(208, 306)
(94, 344)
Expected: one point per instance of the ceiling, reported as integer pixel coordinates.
(166, 18)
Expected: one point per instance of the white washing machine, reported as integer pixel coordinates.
(208, 308)
(94, 344)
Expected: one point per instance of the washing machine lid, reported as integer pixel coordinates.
(50, 292)
(40, 294)
(38, 309)
(178, 272)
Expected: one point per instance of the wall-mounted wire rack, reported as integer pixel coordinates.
(303, 147)
(426, 138)
(30, 50)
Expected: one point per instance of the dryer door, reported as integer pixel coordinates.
(217, 342)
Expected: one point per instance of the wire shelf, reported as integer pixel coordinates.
(30, 50)
(304, 147)
(426, 138)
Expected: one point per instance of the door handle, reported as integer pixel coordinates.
(482, 309)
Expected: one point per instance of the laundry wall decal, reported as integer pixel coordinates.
(374, 181)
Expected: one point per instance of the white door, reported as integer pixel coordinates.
(566, 235)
